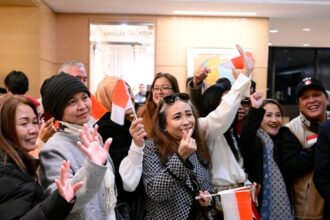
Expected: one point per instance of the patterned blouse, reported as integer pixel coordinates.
(171, 188)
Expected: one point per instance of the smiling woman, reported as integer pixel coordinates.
(263, 139)
(21, 196)
(163, 84)
(176, 163)
(67, 99)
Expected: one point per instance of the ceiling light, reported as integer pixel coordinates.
(214, 13)
(306, 45)
(306, 29)
(273, 31)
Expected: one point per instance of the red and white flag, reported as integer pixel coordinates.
(237, 204)
(237, 62)
(121, 101)
(311, 139)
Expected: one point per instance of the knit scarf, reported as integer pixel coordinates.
(109, 178)
(275, 201)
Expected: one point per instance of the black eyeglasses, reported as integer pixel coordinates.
(175, 96)
(162, 88)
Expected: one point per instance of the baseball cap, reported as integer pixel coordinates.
(309, 82)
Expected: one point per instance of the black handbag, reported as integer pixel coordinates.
(122, 211)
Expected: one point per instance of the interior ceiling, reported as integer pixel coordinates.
(287, 16)
(263, 8)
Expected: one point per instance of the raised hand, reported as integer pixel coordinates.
(248, 61)
(187, 145)
(256, 99)
(137, 132)
(64, 187)
(200, 74)
(90, 145)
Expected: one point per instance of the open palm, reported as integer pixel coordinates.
(90, 145)
(64, 187)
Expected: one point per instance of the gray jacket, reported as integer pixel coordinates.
(90, 199)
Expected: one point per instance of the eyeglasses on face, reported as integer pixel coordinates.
(163, 88)
(169, 99)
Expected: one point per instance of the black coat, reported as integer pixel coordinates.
(322, 166)
(252, 148)
(21, 197)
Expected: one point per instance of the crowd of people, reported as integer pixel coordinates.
(171, 156)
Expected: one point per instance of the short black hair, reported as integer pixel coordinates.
(17, 82)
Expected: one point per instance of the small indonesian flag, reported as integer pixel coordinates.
(121, 101)
(311, 139)
(237, 62)
(98, 110)
(237, 204)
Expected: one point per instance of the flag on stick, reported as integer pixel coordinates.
(121, 101)
(236, 62)
(237, 204)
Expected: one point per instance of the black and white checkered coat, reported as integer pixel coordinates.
(168, 187)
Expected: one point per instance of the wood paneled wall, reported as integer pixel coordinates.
(36, 40)
(28, 43)
(173, 36)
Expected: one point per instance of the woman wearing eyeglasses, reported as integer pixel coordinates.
(163, 84)
(175, 162)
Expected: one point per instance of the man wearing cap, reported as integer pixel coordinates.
(299, 163)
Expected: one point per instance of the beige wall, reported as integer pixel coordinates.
(27, 42)
(36, 40)
(174, 36)
(48, 59)
(20, 42)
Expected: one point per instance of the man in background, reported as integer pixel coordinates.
(17, 82)
(299, 163)
(77, 69)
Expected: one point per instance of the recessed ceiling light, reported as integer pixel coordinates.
(306, 45)
(273, 31)
(306, 29)
(215, 13)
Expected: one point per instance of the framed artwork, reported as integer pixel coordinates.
(217, 59)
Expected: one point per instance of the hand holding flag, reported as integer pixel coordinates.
(121, 101)
(137, 132)
(245, 60)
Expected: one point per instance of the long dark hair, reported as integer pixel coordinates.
(9, 143)
(167, 145)
(148, 109)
